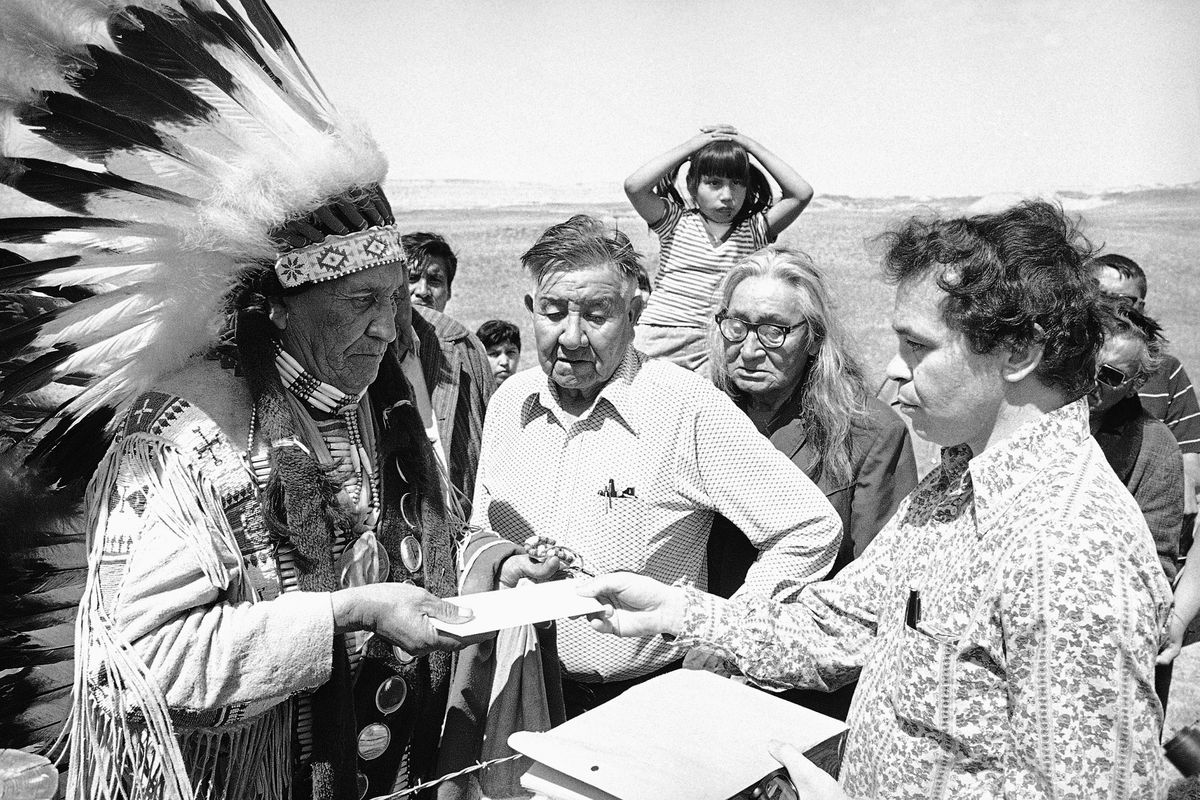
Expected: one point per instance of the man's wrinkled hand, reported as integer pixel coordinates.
(400, 613)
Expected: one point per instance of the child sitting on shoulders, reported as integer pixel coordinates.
(732, 217)
(502, 340)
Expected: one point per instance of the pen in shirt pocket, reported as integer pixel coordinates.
(610, 493)
(914, 620)
(912, 610)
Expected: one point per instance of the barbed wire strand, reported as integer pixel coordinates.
(450, 776)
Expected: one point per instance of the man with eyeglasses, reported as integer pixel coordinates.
(625, 460)
(780, 352)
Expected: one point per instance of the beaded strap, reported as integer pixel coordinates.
(307, 387)
(331, 400)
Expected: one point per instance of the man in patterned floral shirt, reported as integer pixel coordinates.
(1005, 621)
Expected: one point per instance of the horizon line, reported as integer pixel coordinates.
(619, 195)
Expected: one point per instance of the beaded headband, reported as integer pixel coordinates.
(338, 256)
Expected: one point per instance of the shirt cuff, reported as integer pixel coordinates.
(701, 611)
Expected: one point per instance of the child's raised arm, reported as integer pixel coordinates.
(796, 191)
(639, 187)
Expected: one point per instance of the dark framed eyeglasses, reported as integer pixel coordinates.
(1112, 377)
(769, 334)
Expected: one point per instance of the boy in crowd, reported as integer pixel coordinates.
(502, 340)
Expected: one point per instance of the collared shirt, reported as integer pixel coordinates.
(1025, 670)
(1168, 395)
(460, 382)
(632, 484)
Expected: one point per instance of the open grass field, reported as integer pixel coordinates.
(1158, 229)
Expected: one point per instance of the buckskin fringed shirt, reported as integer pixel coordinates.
(1025, 670)
(198, 651)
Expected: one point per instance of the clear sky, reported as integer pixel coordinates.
(917, 97)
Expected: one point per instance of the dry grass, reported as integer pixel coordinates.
(1158, 229)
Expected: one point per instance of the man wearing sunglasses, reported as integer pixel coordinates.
(1140, 448)
(1167, 392)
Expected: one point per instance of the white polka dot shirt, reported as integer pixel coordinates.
(633, 484)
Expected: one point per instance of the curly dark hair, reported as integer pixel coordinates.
(1013, 279)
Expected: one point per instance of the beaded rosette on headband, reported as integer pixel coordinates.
(339, 255)
(153, 158)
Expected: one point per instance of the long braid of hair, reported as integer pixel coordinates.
(403, 443)
(300, 499)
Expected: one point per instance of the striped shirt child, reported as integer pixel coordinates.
(690, 268)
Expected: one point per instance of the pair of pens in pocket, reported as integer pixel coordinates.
(609, 491)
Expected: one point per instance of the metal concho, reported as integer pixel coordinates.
(373, 740)
(410, 553)
(391, 694)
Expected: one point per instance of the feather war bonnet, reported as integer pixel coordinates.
(149, 155)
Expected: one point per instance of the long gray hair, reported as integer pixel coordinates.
(834, 392)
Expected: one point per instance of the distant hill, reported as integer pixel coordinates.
(454, 194)
(430, 195)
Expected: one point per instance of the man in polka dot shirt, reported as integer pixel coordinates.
(625, 459)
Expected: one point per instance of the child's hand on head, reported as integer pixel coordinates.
(711, 133)
(728, 133)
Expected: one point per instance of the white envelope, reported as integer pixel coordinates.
(522, 605)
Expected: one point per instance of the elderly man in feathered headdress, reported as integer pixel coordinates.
(270, 531)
